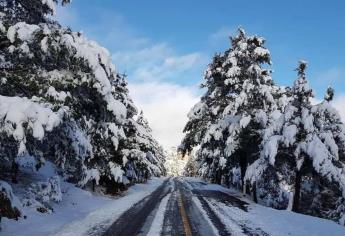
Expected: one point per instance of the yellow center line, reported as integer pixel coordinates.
(185, 221)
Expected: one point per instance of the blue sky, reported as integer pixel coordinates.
(166, 45)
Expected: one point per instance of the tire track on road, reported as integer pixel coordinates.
(133, 220)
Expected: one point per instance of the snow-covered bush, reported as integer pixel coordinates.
(9, 203)
(48, 191)
(40, 195)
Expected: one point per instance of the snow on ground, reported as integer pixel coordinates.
(80, 212)
(157, 224)
(106, 214)
(272, 221)
(278, 222)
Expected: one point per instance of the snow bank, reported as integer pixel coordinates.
(274, 222)
(79, 213)
(6, 189)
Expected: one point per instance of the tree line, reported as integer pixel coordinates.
(269, 141)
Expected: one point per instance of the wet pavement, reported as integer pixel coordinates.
(190, 211)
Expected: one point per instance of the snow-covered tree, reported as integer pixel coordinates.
(62, 100)
(239, 93)
(175, 162)
(202, 114)
(155, 152)
(143, 156)
(52, 65)
(271, 141)
(291, 129)
(327, 197)
(301, 155)
(191, 167)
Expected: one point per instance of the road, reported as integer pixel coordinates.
(183, 206)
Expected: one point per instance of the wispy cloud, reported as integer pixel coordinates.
(160, 62)
(221, 36)
(170, 69)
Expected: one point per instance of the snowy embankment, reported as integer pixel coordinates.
(106, 214)
(80, 212)
(271, 221)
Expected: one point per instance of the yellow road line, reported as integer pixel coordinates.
(186, 225)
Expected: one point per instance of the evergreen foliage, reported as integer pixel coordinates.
(62, 100)
(268, 141)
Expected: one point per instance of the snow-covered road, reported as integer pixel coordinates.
(170, 206)
(188, 206)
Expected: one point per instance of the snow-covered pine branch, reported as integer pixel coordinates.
(62, 100)
(269, 141)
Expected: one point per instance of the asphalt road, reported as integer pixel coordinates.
(188, 212)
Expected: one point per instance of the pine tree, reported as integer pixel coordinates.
(284, 140)
(270, 141)
(75, 108)
(331, 132)
(240, 91)
(154, 151)
(202, 114)
(302, 147)
(143, 155)
(191, 167)
(175, 162)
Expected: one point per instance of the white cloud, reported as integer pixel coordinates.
(147, 56)
(155, 74)
(155, 70)
(171, 68)
(160, 62)
(339, 104)
(165, 105)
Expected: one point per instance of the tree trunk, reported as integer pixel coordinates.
(248, 190)
(93, 185)
(243, 166)
(15, 169)
(255, 198)
(218, 177)
(297, 194)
